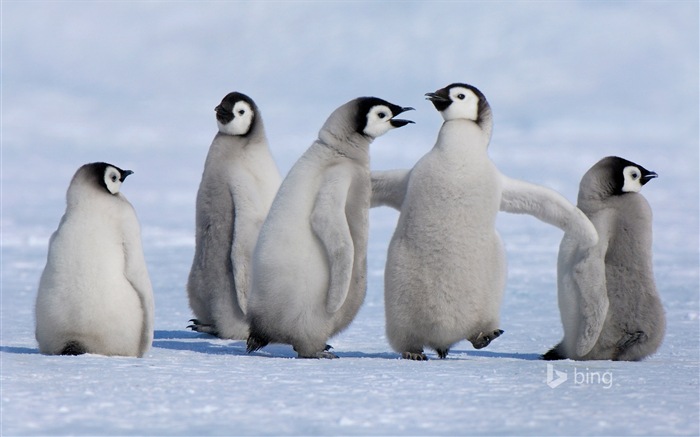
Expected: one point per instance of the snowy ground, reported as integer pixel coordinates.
(192, 384)
(135, 83)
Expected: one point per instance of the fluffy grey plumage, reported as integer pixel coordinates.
(609, 304)
(238, 184)
(310, 262)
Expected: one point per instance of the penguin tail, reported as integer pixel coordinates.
(553, 354)
(256, 339)
(73, 348)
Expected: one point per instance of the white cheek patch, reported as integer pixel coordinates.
(112, 179)
(633, 179)
(242, 120)
(465, 104)
(378, 121)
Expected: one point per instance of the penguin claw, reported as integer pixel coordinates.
(415, 356)
(481, 341)
(322, 354)
(442, 353)
(197, 326)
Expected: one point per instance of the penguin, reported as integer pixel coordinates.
(608, 302)
(95, 294)
(239, 182)
(310, 261)
(446, 268)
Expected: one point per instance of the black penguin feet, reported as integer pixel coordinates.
(442, 353)
(198, 326)
(483, 340)
(415, 356)
(629, 340)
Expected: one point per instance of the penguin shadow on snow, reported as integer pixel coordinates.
(173, 340)
(19, 350)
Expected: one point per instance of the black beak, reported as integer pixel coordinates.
(440, 98)
(125, 173)
(397, 122)
(649, 176)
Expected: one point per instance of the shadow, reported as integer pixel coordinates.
(19, 350)
(517, 356)
(203, 347)
(162, 335)
(357, 354)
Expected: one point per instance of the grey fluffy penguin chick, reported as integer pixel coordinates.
(608, 301)
(310, 262)
(239, 182)
(95, 295)
(446, 267)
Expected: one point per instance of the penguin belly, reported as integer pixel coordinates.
(445, 269)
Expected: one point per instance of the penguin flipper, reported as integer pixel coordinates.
(389, 187)
(588, 277)
(136, 273)
(243, 232)
(520, 197)
(330, 225)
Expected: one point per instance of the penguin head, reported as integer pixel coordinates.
(461, 101)
(614, 176)
(375, 117)
(236, 114)
(112, 177)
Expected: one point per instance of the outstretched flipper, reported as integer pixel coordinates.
(582, 287)
(547, 205)
(389, 187)
(330, 225)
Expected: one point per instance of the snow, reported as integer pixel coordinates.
(569, 83)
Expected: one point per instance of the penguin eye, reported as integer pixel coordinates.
(635, 175)
(461, 96)
(114, 177)
(241, 112)
(381, 115)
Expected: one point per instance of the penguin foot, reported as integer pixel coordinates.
(73, 348)
(198, 326)
(442, 353)
(553, 354)
(483, 340)
(322, 354)
(415, 356)
(627, 341)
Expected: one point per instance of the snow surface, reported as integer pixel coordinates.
(136, 84)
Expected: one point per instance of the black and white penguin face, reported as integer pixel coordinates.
(459, 101)
(113, 178)
(614, 176)
(634, 177)
(375, 117)
(235, 115)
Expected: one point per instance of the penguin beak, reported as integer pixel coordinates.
(649, 176)
(440, 98)
(125, 173)
(397, 122)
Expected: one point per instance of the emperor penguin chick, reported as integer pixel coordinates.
(446, 267)
(310, 262)
(95, 295)
(608, 302)
(239, 182)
